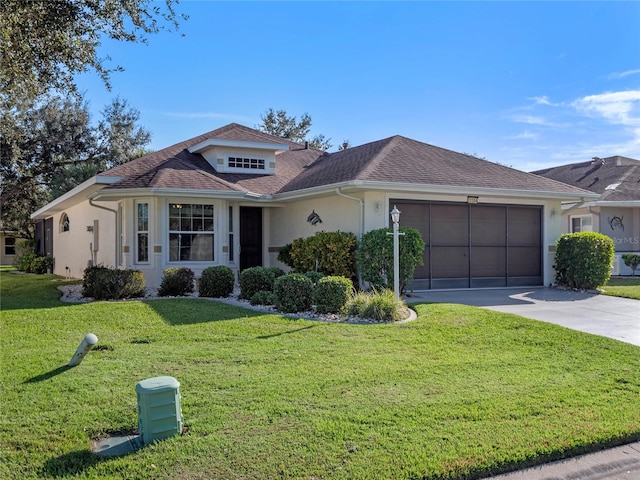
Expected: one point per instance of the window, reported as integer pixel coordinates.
(231, 236)
(581, 223)
(191, 232)
(64, 223)
(247, 163)
(142, 233)
(9, 246)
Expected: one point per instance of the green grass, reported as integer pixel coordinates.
(628, 287)
(460, 393)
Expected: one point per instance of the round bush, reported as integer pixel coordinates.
(216, 282)
(263, 298)
(255, 279)
(583, 260)
(314, 276)
(293, 293)
(330, 294)
(176, 282)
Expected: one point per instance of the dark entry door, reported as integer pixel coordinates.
(250, 237)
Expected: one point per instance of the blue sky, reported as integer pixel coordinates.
(527, 84)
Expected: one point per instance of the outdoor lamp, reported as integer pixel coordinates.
(395, 215)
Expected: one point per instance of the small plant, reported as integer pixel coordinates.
(293, 293)
(263, 298)
(380, 306)
(255, 279)
(217, 282)
(583, 260)
(24, 248)
(331, 294)
(176, 282)
(104, 283)
(632, 261)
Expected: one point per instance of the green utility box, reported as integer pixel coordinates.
(159, 411)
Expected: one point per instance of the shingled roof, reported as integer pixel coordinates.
(616, 179)
(396, 159)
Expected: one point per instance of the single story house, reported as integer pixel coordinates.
(235, 196)
(8, 242)
(616, 211)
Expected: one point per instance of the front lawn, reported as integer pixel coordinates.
(628, 287)
(459, 393)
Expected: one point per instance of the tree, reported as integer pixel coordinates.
(49, 146)
(46, 43)
(282, 125)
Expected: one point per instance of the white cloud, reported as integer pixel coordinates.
(616, 75)
(620, 108)
(526, 135)
(536, 120)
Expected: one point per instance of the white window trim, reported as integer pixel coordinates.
(215, 233)
(582, 218)
(137, 232)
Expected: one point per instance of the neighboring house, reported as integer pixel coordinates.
(235, 196)
(616, 211)
(8, 241)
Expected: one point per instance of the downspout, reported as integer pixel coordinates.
(115, 223)
(597, 216)
(361, 210)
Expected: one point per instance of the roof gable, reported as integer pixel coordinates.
(615, 178)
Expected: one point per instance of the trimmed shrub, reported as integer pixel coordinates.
(314, 276)
(41, 265)
(632, 261)
(255, 279)
(24, 247)
(583, 260)
(284, 255)
(26, 261)
(176, 282)
(277, 271)
(331, 253)
(375, 257)
(104, 283)
(216, 282)
(293, 293)
(331, 294)
(263, 298)
(380, 306)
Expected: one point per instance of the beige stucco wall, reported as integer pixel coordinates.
(4, 258)
(72, 253)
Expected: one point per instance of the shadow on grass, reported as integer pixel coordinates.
(70, 464)
(266, 337)
(46, 376)
(190, 311)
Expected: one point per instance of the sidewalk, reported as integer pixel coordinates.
(619, 463)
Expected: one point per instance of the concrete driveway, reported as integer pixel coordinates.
(611, 317)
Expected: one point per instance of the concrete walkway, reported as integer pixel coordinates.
(611, 317)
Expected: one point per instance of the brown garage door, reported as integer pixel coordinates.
(475, 246)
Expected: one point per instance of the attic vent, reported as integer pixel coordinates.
(596, 160)
(613, 186)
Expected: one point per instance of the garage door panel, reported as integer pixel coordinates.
(450, 225)
(488, 225)
(450, 262)
(488, 262)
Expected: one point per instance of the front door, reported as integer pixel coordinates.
(250, 237)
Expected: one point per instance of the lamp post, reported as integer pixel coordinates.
(395, 218)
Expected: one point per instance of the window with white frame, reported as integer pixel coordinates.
(191, 232)
(247, 163)
(231, 237)
(581, 223)
(142, 232)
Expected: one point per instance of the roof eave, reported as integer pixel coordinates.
(81, 192)
(442, 189)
